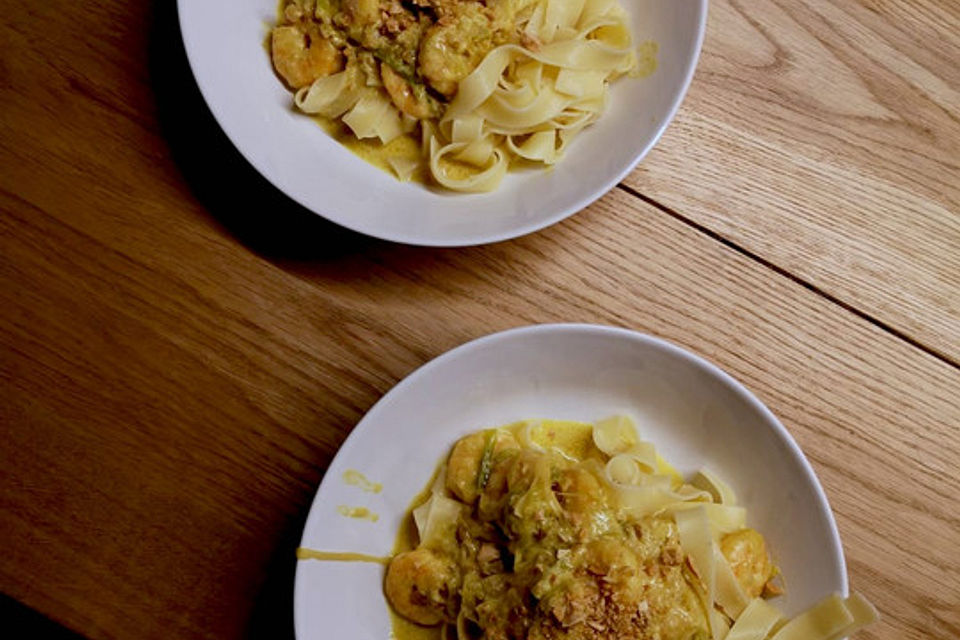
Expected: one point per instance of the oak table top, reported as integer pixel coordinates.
(182, 349)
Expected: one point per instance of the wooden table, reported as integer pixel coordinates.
(183, 349)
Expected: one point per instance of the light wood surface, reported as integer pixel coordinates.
(824, 137)
(182, 351)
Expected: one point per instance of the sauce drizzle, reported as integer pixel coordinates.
(361, 513)
(357, 479)
(304, 553)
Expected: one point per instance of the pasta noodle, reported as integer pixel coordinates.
(756, 621)
(490, 84)
(547, 529)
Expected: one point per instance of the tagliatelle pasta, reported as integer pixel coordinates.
(483, 84)
(551, 530)
(755, 621)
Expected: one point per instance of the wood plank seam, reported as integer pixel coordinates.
(713, 235)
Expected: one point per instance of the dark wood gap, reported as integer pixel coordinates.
(673, 213)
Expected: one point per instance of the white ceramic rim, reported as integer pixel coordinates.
(729, 381)
(465, 239)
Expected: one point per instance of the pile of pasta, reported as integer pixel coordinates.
(705, 509)
(519, 103)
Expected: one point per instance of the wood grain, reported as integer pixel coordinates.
(183, 350)
(192, 441)
(824, 137)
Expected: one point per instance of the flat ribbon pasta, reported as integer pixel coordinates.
(529, 103)
(542, 77)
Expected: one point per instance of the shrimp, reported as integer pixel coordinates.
(453, 47)
(301, 55)
(584, 502)
(611, 559)
(746, 551)
(421, 585)
(470, 462)
(415, 104)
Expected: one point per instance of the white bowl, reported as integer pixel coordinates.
(696, 415)
(224, 43)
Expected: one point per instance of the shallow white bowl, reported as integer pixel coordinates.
(224, 42)
(696, 415)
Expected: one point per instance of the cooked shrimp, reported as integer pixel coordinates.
(610, 558)
(746, 551)
(464, 466)
(415, 104)
(301, 54)
(420, 585)
(452, 48)
(583, 500)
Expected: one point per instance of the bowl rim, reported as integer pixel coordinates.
(462, 239)
(466, 349)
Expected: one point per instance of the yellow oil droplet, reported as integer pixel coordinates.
(360, 513)
(357, 479)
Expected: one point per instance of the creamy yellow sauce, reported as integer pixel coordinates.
(304, 553)
(421, 54)
(371, 151)
(360, 513)
(561, 521)
(356, 479)
(573, 438)
(407, 539)
(403, 629)
(455, 169)
(405, 147)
